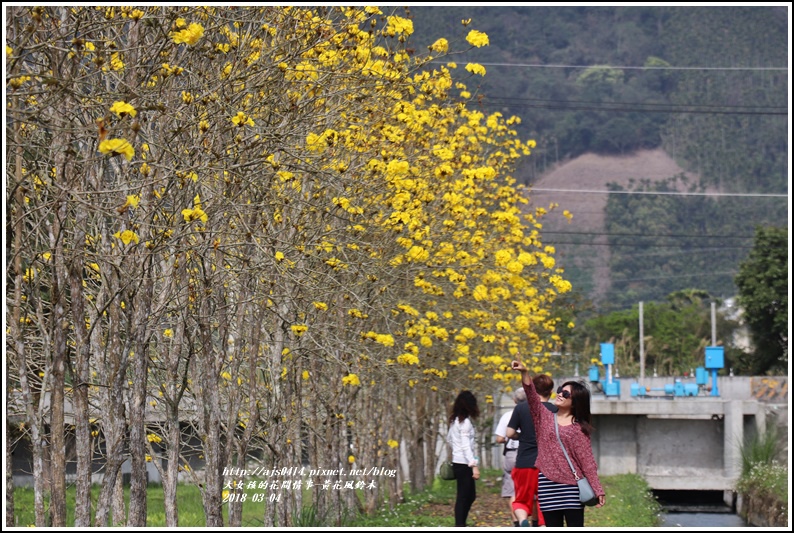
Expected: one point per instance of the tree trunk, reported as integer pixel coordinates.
(57, 380)
(111, 371)
(416, 462)
(138, 482)
(242, 443)
(171, 476)
(428, 424)
(119, 506)
(9, 472)
(114, 447)
(81, 378)
(142, 298)
(16, 316)
(38, 477)
(210, 418)
(34, 424)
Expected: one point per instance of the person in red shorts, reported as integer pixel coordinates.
(510, 453)
(524, 473)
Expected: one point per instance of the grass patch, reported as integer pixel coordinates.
(189, 506)
(408, 514)
(629, 503)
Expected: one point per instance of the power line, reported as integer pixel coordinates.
(537, 65)
(562, 258)
(659, 235)
(668, 193)
(554, 101)
(664, 256)
(591, 105)
(683, 248)
(641, 245)
(631, 110)
(701, 274)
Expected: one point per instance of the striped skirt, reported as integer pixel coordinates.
(553, 496)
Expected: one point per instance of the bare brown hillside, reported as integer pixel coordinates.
(583, 176)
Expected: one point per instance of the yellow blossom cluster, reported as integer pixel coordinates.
(117, 147)
(189, 35)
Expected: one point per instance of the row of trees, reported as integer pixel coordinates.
(279, 229)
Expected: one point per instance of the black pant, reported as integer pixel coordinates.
(464, 476)
(573, 517)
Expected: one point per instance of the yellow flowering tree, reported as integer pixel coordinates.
(273, 230)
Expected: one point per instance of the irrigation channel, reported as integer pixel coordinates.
(697, 509)
(719, 520)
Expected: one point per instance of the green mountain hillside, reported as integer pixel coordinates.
(706, 85)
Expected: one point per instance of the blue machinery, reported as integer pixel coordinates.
(611, 387)
(715, 359)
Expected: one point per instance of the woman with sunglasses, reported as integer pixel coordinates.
(558, 493)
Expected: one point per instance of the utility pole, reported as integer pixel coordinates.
(642, 349)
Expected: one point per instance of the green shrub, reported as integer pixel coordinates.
(768, 480)
(764, 490)
(763, 482)
(761, 448)
(307, 517)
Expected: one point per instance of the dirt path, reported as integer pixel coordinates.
(488, 510)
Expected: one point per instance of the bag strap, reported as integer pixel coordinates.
(557, 430)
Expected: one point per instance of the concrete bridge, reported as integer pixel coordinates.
(682, 443)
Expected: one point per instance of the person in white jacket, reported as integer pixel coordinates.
(464, 458)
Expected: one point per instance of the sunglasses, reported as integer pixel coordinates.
(564, 393)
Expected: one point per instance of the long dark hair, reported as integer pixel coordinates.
(465, 406)
(580, 405)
